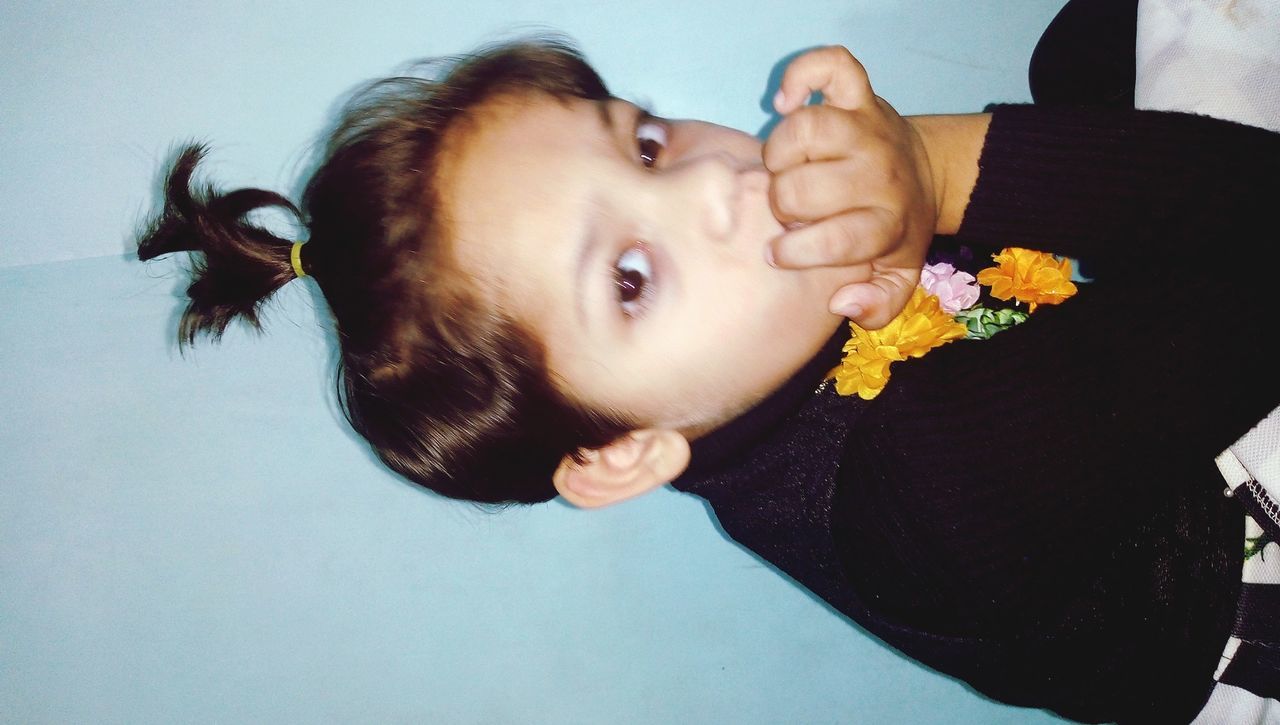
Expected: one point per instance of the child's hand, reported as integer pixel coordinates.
(853, 179)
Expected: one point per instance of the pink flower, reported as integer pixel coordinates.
(955, 290)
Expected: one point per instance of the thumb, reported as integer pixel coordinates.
(874, 304)
(834, 72)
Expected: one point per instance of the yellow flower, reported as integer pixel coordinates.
(1029, 276)
(921, 326)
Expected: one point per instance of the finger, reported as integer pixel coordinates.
(855, 237)
(820, 189)
(874, 304)
(812, 133)
(832, 70)
(813, 191)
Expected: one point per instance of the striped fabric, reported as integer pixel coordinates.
(1248, 676)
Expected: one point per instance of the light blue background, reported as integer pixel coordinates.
(202, 540)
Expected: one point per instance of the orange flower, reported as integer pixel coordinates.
(921, 326)
(1030, 276)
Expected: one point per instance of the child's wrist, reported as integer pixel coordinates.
(952, 145)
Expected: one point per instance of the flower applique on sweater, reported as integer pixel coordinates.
(951, 304)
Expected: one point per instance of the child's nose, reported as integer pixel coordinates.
(707, 187)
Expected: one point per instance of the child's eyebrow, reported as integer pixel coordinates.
(587, 244)
(606, 117)
(609, 108)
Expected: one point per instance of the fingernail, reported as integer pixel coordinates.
(851, 311)
(778, 99)
(845, 308)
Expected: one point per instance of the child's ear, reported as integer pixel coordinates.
(632, 464)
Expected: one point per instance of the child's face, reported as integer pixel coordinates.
(635, 249)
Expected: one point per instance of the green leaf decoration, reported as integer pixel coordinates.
(982, 322)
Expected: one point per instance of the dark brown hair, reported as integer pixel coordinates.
(449, 394)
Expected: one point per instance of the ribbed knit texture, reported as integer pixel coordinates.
(1039, 513)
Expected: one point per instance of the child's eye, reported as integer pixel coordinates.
(651, 140)
(633, 279)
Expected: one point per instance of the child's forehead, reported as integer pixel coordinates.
(487, 139)
(530, 146)
(524, 108)
(514, 184)
(532, 120)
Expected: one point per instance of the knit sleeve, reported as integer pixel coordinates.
(1118, 186)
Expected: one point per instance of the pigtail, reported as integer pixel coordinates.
(238, 264)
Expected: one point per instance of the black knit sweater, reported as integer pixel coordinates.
(1039, 514)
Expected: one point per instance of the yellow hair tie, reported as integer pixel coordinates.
(295, 259)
